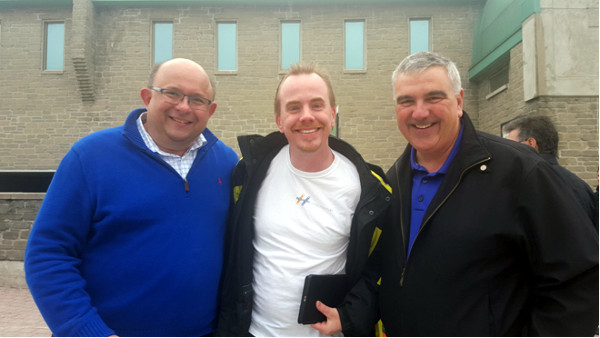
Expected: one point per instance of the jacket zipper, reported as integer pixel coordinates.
(159, 159)
(433, 213)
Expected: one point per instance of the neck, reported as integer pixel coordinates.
(433, 161)
(178, 152)
(313, 161)
(432, 164)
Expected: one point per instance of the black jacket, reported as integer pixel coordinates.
(257, 153)
(584, 194)
(501, 251)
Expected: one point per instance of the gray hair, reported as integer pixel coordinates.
(540, 128)
(421, 61)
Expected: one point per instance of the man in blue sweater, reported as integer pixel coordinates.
(129, 238)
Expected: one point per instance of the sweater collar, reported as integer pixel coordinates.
(131, 132)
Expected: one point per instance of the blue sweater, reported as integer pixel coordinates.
(122, 246)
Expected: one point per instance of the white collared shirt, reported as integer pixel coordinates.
(181, 164)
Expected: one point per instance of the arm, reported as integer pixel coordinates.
(563, 253)
(52, 256)
(232, 316)
(359, 312)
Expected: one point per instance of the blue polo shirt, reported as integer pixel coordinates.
(424, 187)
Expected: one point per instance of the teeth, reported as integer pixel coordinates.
(180, 121)
(307, 131)
(423, 126)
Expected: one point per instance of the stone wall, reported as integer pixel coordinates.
(108, 58)
(17, 213)
(575, 118)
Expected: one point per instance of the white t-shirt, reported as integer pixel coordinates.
(302, 224)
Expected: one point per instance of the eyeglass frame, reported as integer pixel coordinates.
(183, 96)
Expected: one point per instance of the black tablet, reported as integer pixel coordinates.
(329, 289)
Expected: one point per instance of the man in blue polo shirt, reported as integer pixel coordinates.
(483, 240)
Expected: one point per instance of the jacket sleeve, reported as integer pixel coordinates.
(360, 310)
(562, 247)
(233, 305)
(52, 256)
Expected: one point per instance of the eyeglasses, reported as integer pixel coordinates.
(175, 97)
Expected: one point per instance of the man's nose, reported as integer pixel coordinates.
(420, 111)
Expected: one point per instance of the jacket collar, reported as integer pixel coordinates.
(549, 158)
(256, 147)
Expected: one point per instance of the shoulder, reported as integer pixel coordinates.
(226, 150)
(508, 151)
(99, 139)
(216, 145)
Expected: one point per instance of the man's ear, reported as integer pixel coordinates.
(532, 143)
(333, 119)
(146, 95)
(278, 121)
(459, 101)
(211, 109)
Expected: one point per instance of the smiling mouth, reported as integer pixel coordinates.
(180, 121)
(308, 131)
(423, 126)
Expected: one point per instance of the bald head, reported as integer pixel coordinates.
(183, 67)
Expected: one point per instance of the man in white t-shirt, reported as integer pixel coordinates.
(304, 203)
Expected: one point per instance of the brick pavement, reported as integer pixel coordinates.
(19, 317)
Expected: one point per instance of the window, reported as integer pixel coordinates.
(290, 44)
(54, 53)
(499, 79)
(226, 46)
(419, 35)
(354, 44)
(163, 41)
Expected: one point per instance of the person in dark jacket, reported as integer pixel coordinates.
(303, 203)
(482, 240)
(539, 133)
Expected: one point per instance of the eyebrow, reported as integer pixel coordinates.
(432, 93)
(316, 99)
(437, 93)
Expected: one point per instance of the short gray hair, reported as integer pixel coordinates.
(421, 61)
(538, 127)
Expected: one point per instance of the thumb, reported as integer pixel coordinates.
(332, 324)
(324, 309)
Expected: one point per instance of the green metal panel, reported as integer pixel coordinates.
(498, 30)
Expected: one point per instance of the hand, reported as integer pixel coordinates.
(332, 324)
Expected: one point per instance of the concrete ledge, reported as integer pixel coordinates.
(22, 195)
(12, 275)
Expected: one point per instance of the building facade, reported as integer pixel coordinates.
(72, 67)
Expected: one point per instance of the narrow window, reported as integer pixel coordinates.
(227, 46)
(354, 44)
(55, 46)
(290, 44)
(419, 35)
(498, 80)
(163, 41)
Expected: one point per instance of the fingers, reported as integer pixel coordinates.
(326, 310)
(332, 324)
